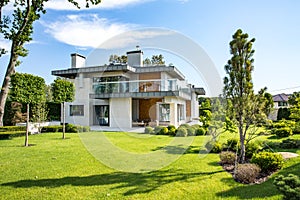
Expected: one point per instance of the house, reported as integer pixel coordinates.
(280, 101)
(126, 95)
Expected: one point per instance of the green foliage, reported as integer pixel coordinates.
(214, 147)
(289, 186)
(62, 90)
(10, 134)
(181, 132)
(227, 157)
(184, 126)
(252, 148)
(118, 59)
(247, 173)
(27, 88)
(148, 130)
(200, 131)
(172, 130)
(191, 131)
(267, 161)
(282, 132)
(70, 128)
(157, 130)
(164, 131)
(51, 129)
(12, 128)
(290, 144)
(296, 129)
(54, 111)
(283, 113)
(232, 144)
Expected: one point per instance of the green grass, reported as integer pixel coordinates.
(53, 168)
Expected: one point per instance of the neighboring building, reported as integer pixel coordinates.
(280, 101)
(125, 95)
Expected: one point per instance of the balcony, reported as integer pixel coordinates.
(141, 89)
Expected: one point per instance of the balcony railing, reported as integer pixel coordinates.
(141, 86)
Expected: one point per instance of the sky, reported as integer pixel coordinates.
(275, 24)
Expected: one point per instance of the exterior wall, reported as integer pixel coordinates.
(194, 107)
(147, 109)
(188, 109)
(120, 112)
(149, 76)
(80, 120)
(173, 101)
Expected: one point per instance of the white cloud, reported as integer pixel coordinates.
(85, 30)
(105, 4)
(4, 44)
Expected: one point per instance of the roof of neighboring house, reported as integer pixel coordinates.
(281, 97)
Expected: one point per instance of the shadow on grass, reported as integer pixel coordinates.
(266, 189)
(133, 182)
(181, 149)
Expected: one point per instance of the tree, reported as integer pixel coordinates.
(18, 29)
(157, 60)
(244, 108)
(63, 91)
(27, 89)
(118, 59)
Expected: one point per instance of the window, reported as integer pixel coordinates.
(164, 112)
(180, 112)
(76, 110)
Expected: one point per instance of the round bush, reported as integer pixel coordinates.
(200, 131)
(184, 126)
(252, 148)
(181, 132)
(227, 157)
(247, 173)
(283, 132)
(172, 131)
(171, 127)
(148, 130)
(289, 186)
(232, 144)
(191, 131)
(214, 147)
(267, 161)
(157, 129)
(164, 131)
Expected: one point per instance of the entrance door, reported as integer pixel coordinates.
(102, 114)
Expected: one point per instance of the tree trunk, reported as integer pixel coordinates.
(27, 126)
(64, 120)
(242, 141)
(5, 85)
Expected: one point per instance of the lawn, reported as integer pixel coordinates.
(53, 168)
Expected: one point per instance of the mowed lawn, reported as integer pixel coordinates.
(53, 168)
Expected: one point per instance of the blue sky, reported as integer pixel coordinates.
(210, 23)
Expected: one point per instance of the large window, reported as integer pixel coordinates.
(76, 110)
(164, 112)
(180, 112)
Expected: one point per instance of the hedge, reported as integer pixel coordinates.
(11, 134)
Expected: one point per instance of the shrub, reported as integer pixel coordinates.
(283, 132)
(200, 131)
(196, 126)
(232, 144)
(296, 129)
(191, 131)
(267, 161)
(184, 126)
(71, 128)
(227, 157)
(214, 147)
(164, 131)
(290, 144)
(172, 131)
(10, 134)
(181, 132)
(157, 129)
(289, 186)
(148, 130)
(252, 148)
(247, 173)
(12, 128)
(171, 127)
(51, 129)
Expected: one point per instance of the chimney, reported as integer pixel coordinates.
(135, 58)
(77, 60)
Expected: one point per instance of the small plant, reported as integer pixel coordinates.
(282, 132)
(214, 147)
(289, 186)
(232, 144)
(227, 157)
(247, 173)
(148, 130)
(164, 131)
(267, 161)
(181, 132)
(200, 131)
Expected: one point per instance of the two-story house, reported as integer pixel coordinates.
(124, 95)
(280, 101)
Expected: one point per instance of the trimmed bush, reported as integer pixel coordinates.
(184, 126)
(12, 128)
(214, 147)
(71, 128)
(227, 157)
(290, 144)
(157, 129)
(164, 131)
(200, 131)
(191, 131)
(267, 161)
(196, 126)
(148, 130)
(282, 132)
(247, 173)
(289, 186)
(11, 134)
(252, 148)
(296, 129)
(51, 129)
(172, 131)
(171, 127)
(232, 144)
(181, 132)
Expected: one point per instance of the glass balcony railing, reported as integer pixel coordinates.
(140, 86)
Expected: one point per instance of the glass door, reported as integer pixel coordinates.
(102, 114)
